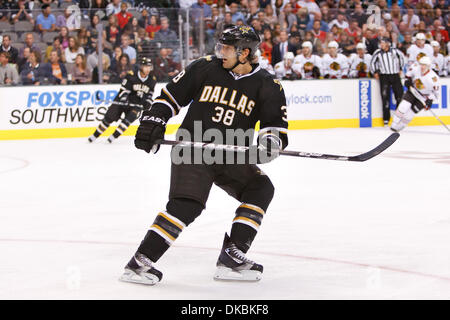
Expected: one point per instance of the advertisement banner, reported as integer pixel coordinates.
(36, 112)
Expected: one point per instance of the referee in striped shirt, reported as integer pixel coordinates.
(386, 65)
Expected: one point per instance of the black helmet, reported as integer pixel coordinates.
(241, 37)
(145, 61)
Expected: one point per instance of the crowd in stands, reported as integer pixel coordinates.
(56, 41)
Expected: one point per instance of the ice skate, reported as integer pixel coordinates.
(111, 139)
(232, 264)
(92, 138)
(140, 270)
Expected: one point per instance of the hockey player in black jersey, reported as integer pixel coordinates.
(135, 94)
(225, 92)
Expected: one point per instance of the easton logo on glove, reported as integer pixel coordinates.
(153, 119)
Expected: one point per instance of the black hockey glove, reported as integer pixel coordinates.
(150, 130)
(408, 83)
(428, 104)
(269, 146)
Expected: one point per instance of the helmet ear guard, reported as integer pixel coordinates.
(240, 37)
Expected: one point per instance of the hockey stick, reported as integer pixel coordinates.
(420, 97)
(120, 103)
(359, 158)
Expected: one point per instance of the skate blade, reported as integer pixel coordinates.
(228, 274)
(144, 278)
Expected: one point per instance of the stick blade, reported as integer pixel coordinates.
(377, 150)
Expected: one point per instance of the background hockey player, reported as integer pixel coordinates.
(135, 94)
(419, 49)
(438, 60)
(423, 87)
(334, 64)
(359, 62)
(227, 92)
(263, 62)
(283, 69)
(306, 64)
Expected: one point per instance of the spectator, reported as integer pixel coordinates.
(13, 53)
(29, 43)
(165, 68)
(20, 12)
(340, 22)
(235, 14)
(348, 45)
(106, 72)
(269, 16)
(411, 19)
(8, 72)
(23, 61)
(200, 9)
(74, 49)
(267, 45)
(302, 19)
(354, 31)
(426, 14)
(33, 73)
(64, 37)
(123, 16)
(317, 32)
(92, 59)
(61, 20)
(112, 30)
(98, 7)
(287, 18)
(153, 26)
(56, 46)
(116, 57)
(84, 41)
(280, 49)
(122, 69)
(437, 28)
(113, 8)
(95, 20)
(80, 73)
(127, 49)
(46, 21)
(168, 39)
(56, 69)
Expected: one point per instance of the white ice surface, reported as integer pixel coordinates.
(72, 214)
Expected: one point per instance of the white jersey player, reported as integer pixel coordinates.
(438, 60)
(359, 62)
(306, 64)
(283, 69)
(334, 64)
(418, 50)
(263, 62)
(423, 87)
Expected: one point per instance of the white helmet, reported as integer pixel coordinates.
(435, 44)
(425, 60)
(361, 45)
(333, 44)
(420, 36)
(289, 56)
(307, 44)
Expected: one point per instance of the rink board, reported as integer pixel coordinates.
(75, 111)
